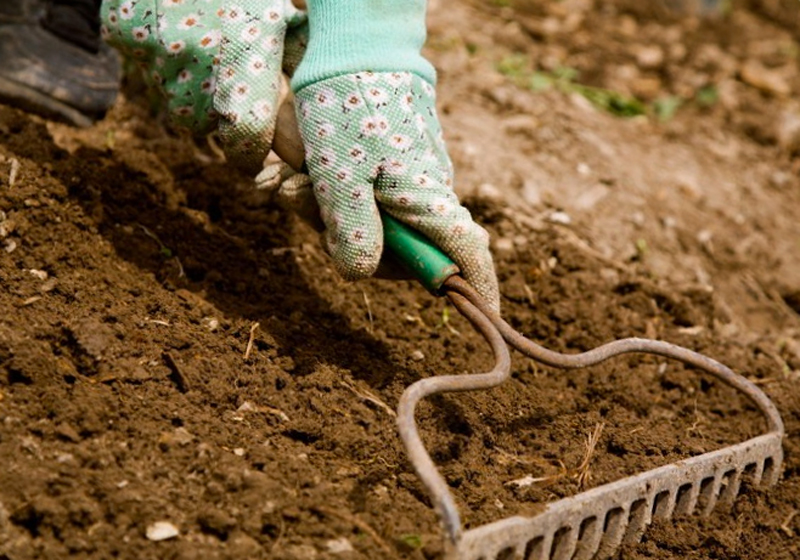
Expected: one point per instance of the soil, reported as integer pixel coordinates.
(174, 347)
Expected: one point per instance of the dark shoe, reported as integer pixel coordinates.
(45, 74)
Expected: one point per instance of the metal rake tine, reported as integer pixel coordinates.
(420, 459)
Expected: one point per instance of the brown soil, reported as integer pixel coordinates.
(135, 265)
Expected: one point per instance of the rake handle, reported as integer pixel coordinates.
(429, 265)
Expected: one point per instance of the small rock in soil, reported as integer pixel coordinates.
(179, 437)
(788, 131)
(339, 546)
(161, 531)
(755, 74)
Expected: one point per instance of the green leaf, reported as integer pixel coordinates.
(707, 96)
(666, 107)
(412, 540)
(540, 81)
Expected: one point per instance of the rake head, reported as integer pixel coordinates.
(593, 524)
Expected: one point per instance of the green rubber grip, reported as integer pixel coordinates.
(429, 265)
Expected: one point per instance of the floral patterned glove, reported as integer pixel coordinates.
(218, 65)
(373, 140)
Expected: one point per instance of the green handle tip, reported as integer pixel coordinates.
(429, 265)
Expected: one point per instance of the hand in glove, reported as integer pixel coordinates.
(366, 110)
(218, 65)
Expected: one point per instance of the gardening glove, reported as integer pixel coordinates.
(217, 65)
(366, 110)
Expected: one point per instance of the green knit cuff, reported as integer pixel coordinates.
(351, 36)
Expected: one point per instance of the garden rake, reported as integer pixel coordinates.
(594, 523)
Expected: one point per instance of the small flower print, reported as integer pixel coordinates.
(366, 77)
(250, 33)
(459, 229)
(352, 101)
(140, 34)
(235, 14)
(357, 154)
(183, 111)
(176, 47)
(374, 125)
(344, 174)
(397, 78)
(256, 65)
(358, 194)
(262, 109)
(325, 97)
(327, 158)
(271, 42)
(208, 86)
(400, 141)
(358, 236)
(184, 76)
(127, 10)
(422, 180)
(407, 102)
(405, 199)
(173, 3)
(322, 188)
(189, 22)
(325, 129)
(272, 15)
(241, 91)
(210, 39)
(441, 206)
(394, 167)
(113, 18)
(377, 96)
(227, 73)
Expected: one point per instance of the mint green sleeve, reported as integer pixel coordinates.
(351, 36)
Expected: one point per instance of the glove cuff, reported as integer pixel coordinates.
(347, 37)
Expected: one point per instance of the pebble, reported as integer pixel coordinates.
(757, 75)
(503, 245)
(179, 437)
(560, 218)
(780, 179)
(417, 355)
(300, 552)
(161, 531)
(40, 274)
(649, 56)
(339, 546)
(788, 131)
(531, 192)
(521, 241)
(489, 192)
